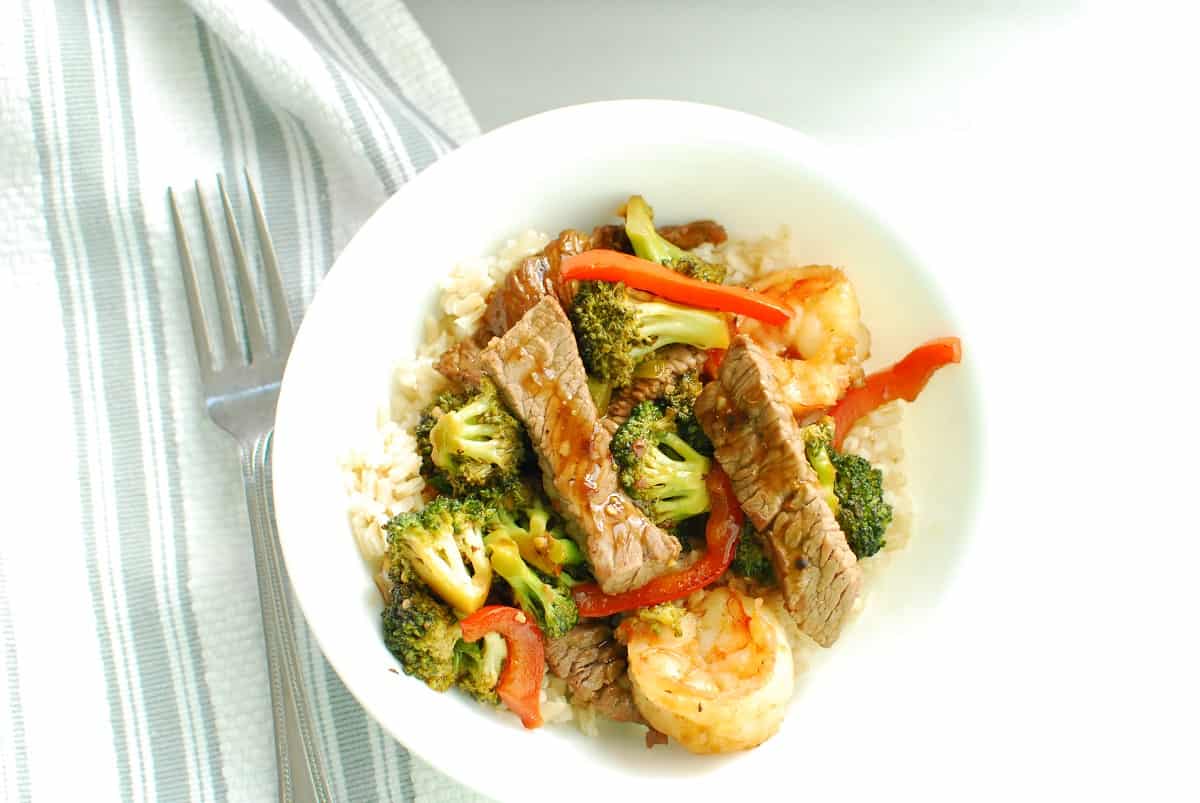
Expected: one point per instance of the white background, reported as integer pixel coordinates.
(1042, 159)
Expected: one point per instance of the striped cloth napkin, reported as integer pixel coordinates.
(133, 658)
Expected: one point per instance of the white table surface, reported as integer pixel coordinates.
(1041, 158)
(845, 71)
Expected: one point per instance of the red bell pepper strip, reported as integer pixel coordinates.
(721, 537)
(603, 265)
(904, 380)
(520, 684)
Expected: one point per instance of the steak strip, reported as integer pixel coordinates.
(460, 363)
(758, 444)
(528, 282)
(593, 663)
(537, 368)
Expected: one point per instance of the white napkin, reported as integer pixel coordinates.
(132, 652)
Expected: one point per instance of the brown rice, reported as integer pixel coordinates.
(383, 478)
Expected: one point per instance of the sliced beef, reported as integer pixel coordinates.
(673, 362)
(688, 236)
(694, 234)
(460, 363)
(524, 286)
(528, 282)
(756, 441)
(612, 238)
(568, 243)
(593, 663)
(537, 368)
(821, 578)
(758, 444)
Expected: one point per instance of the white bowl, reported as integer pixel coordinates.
(571, 168)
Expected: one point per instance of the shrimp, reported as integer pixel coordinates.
(819, 353)
(717, 682)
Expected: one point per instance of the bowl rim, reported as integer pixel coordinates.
(736, 127)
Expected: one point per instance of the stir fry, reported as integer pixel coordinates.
(638, 481)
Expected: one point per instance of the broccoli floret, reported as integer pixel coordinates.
(470, 441)
(853, 488)
(478, 665)
(615, 331)
(551, 606)
(662, 474)
(443, 544)
(573, 571)
(663, 618)
(863, 514)
(680, 401)
(750, 559)
(649, 244)
(513, 494)
(542, 546)
(424, 635)
(818, 447)
(421, 632)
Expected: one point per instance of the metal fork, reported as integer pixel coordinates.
(241, 375)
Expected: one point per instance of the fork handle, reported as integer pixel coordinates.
(283, 663)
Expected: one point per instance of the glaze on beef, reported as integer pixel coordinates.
(528, 282)
(758, 444)
(537, 368)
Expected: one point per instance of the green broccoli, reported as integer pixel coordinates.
(615, 331)
(542, 546)
(750, 559)
(551, 606)
(470, 441)
(649, 244)
(818, 447)
(424, 635)
(421, 632)
(852, 487)
(862, 513)
(574, 569)
(443, 544)
(512, 494)
(478, 666)
(680, 401)
(662, 474)
(666, 616)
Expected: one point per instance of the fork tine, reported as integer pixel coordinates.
(283, 319)
(254, 323)
(192, 288)
(234, 353)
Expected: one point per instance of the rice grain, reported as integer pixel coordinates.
(384, 479)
